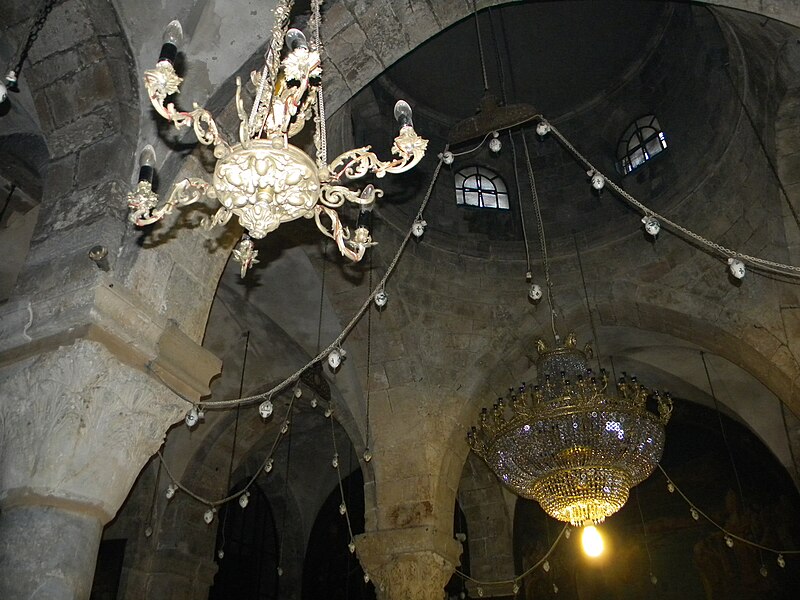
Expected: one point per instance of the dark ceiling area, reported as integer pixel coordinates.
(554, 55)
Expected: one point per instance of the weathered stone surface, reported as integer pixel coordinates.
(37, 562)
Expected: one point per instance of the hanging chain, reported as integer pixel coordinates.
(321, 128)
(480, 46)
(542, 239)
(38, 24)
(528, 272)
(272, 62)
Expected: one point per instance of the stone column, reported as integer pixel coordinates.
(82, 409)
(408, 564)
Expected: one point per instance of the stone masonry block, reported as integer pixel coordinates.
(80, 94)
(68, 25)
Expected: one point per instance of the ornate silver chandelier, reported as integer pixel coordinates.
(569, 443)
(263, 179)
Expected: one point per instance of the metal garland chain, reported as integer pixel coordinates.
(720, 527)
(224, 404)
(542, 238)
(249, 400)
(528, 273)
(518, 578)
(767, 265)
(369, 357)
(215, 503)
(38, 24)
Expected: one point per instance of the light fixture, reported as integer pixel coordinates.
(651, 225)
(494, 144)
(263, 179)
(265, 409)
(592, 541)
(568, 442)
(736, 268)
(535, 292)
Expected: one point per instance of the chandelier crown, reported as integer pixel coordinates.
(567, 442)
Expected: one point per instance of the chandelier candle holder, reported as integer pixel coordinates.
(263, 179)
(569, 443)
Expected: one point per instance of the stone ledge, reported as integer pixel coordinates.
(110, 314)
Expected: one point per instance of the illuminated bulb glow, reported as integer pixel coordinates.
(592, 541)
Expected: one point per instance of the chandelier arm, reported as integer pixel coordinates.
(161, 82)
(339, 234)
(184, 193)
(334, 196)
(354, 164)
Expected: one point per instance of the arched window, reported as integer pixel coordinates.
(481, 188)
(640, 142)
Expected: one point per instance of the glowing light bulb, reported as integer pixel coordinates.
(592, 541)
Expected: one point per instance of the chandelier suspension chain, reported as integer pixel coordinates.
(588, 307)
(769, 265)
(528, 272)
(480, 46)
(369, 358)
(322, 132)
(542, 238)
(722, 428)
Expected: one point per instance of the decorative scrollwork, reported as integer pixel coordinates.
(354, 248)
(184, 193)
(334, 196)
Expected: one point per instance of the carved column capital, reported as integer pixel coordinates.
(408, 564)
(76, 426)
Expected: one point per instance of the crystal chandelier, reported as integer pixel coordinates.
(569, 443)
(263, 179)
